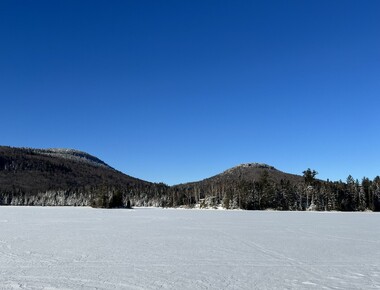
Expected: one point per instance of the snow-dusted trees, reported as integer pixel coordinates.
(28, 177)
(309, 178)
(376, 193)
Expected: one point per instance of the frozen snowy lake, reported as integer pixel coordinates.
(85, 248)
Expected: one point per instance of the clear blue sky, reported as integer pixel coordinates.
(177, 91)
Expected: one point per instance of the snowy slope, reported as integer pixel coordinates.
(72, 154)
(85, 248)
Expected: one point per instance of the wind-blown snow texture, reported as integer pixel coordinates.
(85, 248)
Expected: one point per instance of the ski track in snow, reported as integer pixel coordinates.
(85, 248)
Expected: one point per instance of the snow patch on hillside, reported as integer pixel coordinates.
(72, 154)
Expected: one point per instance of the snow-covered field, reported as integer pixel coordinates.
(85, 248)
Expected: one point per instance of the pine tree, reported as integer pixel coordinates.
(309, 178)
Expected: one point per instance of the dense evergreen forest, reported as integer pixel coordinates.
(70, 177)
(62, 177)
(265, 193)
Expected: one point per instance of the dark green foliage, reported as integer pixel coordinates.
(116, 200)
(259, 188)
(26, 176)
(309, 176)
(30, 178)
(100, 200)
(105, 199)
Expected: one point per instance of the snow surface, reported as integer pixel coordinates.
(85, 248)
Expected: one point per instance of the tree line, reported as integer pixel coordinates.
(28, 178)
(264, 193)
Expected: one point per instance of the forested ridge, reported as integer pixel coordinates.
(70, 177)
(66, 177)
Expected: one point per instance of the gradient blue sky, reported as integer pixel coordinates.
(177, 91)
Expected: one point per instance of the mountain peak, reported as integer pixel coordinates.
(255, 165)
(252, 172)
(244, 166)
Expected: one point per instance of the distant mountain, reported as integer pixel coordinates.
(70, 177)
(253, 172)
(66, 177)
(236, 187)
